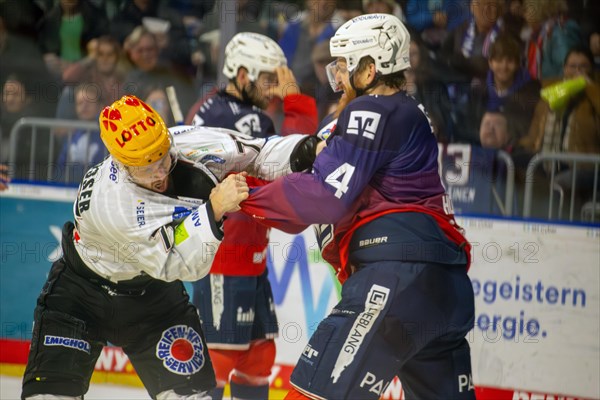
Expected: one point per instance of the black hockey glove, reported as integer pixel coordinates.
(304, 154)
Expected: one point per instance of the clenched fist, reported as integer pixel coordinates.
(227, 195)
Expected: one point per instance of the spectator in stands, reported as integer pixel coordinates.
(429, 91)
(85, 147)
(163, 22)
(66, 31)
(149, 71)
(19, 54)
(495, 131)
(508, 86)
(434, 19)
(14, 103)
(103, 68)
(316, 24)
(18, 102)
(467, 47)
(573, 129)
(550, 35)
(4, 179)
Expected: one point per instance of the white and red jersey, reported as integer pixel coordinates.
(124, 230)
(244, 249)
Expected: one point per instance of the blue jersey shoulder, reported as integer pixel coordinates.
(383, 122)
(225, 111)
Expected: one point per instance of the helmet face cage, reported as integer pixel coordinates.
(381, 36)
(332, 69)
(255, 52)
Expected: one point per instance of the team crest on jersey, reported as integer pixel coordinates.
(181, 348)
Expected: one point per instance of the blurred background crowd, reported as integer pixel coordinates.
(478, 67)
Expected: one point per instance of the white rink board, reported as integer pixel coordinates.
(540, 284)
(310, 290)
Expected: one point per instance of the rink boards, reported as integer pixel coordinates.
(536, 289)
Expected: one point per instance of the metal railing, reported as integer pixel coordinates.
(574, 160)
(41, 127)
(509, 193)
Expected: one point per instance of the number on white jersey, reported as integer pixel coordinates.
(340, 178)
(242, 144)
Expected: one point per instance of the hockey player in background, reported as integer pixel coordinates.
(146, 218)
(407, 302)
(235, 300)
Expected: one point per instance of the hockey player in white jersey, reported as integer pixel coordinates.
(146, 218)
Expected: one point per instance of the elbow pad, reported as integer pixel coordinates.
(304, 154)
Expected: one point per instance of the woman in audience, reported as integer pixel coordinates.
(150, 71)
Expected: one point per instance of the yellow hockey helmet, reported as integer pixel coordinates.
(133, 132)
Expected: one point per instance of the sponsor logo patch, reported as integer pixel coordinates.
(70, 343)
(180, 348)
(364, 322)
(363, 123)
(213, 158)
(180, 213)
(140, 213)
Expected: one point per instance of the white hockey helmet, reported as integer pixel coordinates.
(253, 51)
(381, 36)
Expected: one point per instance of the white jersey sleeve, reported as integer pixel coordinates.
(224, 151)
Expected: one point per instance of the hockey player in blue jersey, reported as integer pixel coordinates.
(257, 71)
(235, 300)
(407, 302)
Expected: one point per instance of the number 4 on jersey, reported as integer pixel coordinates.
(340, 178)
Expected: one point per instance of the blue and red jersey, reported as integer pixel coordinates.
(381, 158)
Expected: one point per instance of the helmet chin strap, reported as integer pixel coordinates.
(361, 91)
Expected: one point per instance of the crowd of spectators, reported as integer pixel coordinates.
(477, 65)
